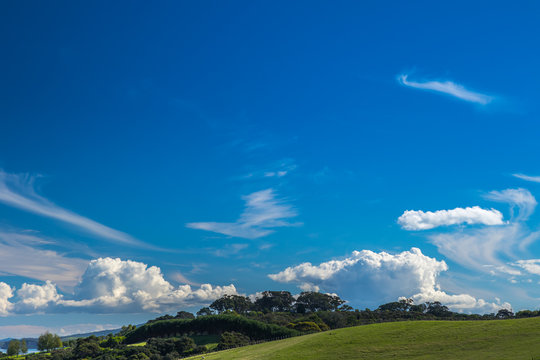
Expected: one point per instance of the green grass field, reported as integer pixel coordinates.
(496, 339)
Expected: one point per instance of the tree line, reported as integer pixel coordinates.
(276, 301)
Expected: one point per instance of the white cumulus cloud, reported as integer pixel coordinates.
(132, 286)
(370, 278)
(263, 213)
(448, 88)
(34, 297)
(111, 286)
(420, 220)
(6, 292)
(461, 302)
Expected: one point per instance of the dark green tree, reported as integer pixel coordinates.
(272, 301)
(24, 347)
(403, 305)
(504, 314)
(346, 307)
(87, 347)
(171, 346)
(418, 309)
(48, 341)
(437, 309)
(232, 339)
(57, 342)
(316, 301)
(14, 348)
(205, 311)
(237, 303)
(126, 329)
(184, 315)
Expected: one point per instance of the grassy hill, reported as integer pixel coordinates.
(502, 339)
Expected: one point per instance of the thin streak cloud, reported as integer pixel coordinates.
(263, 212)
(18, 191)
(448, 88)
(527, 177)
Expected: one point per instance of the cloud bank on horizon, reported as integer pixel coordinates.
(110, 285)
(447, 88)
(369, 278)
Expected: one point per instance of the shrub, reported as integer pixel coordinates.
(305, 326)
(232, 339)
(182, 345)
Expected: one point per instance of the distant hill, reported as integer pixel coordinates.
(494, 339)
(95, 333)
(31, 343)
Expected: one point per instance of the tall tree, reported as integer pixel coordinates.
(240, 304)
(316, 301)
(48, 341)
(204, 311)
(504, 314)
(14, 348)
(184, 315)
(24, 347)
(271, 301)
(437, 309)
(57, 342)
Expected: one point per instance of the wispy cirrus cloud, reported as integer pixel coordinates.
(520, 199)
(263, 213)
(489, 248)
(18, 191)
(532, 266)
(277, 169)
(527, 177)
(448, 88)
(420, 220)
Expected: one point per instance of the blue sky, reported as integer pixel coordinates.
(149, 149)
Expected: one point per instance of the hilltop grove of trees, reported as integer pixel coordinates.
(275, 301)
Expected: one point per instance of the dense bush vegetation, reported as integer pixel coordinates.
(212, 324)
(229, 340)
(304, 326)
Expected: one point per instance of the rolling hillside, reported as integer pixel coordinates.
(503, 339)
